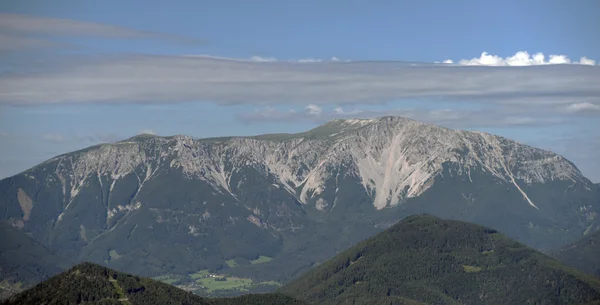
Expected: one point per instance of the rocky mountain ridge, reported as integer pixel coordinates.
(175, 205)
(394, 158)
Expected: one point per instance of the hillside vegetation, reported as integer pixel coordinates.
(424, 259)
(88, 283)
(583, 254)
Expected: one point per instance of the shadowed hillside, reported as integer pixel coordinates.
(24, 262)
(583, 254)
(424, 259)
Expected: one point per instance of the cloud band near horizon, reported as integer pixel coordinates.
(171, 79)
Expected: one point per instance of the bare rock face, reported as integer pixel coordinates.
(177, 204)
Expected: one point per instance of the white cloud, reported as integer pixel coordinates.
(263, 59)
(314, 110)
(309, 60)
(53, 137)
(172, 79)
(521, 58)
(559, 59)
(4, 134)
(484, 60)
(583, 107)
(586, 61)
(147, 131)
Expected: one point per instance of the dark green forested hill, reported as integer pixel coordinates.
(23, 261)
(88, 283)
(424, 259)
(583, 254)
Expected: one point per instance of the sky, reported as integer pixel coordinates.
(78, 73)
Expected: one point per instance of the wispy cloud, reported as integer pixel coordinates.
(91, 139)
(172, 79)
(583, 107)
(454, 118)
(27, 24)
(13, 42)
(314, 110)
(263, 59)
(521, 58)
(307, 60)
(301, 60)
(26, 31)
(53, 137)
(147, 131)
(99, 138)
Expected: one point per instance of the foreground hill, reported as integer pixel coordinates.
(269, 207)
(583, 254)
(24, 262)
(92, 284)
(424, 259)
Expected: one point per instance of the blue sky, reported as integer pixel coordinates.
(76, 73)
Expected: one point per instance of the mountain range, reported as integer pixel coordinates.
(268, 208)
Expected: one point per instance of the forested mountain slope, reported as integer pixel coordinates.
(424, 259)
